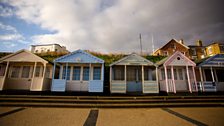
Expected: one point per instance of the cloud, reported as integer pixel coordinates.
(8, 44)
(7, 28)
(11, 37)
(6, 11)
(10, 33)
(114, 26)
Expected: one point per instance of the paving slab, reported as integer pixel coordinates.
(212, 116)
(46, 117)
(138, 117)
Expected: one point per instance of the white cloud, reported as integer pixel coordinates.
(11, 37)
(7, 28)
(113, 25)
(10, 34)
(9, 44)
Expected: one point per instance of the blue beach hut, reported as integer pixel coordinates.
(80, 72)
(212, 74)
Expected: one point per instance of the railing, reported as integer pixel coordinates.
(118, 86)
(58, 85)
(208, 86)
(150, 87)
(95, 86)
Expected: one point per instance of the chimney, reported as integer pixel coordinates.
(181, 41)
(199, 43)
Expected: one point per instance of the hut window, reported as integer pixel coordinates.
(163, 74)
(149, 73)
(220, 75)
(208, 75)
(86, 73)
(2, 70)
(180, 74)
(118, 72)
(15, 72)
(26, 72)
(37, 73)
(76, 73)
(165, 53)
(169, 74)
(68, 73)
(47, 73)
(96, 73)
(175, 74)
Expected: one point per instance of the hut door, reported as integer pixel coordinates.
(134, 79)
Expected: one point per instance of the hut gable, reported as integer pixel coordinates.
(79, 56)
(214, 61)
(177, 59)
(133, 59)
(23, 56)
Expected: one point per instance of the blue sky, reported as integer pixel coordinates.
(108, 26)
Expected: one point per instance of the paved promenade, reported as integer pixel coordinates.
(12, 116)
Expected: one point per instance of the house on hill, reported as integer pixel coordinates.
(133, 74)
(24, 70)
(177, 74)
(197, 52)
(80, 72)
(47, 48)
(215, 48)
(171, 47)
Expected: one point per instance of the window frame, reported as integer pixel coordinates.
(98, 73)
(73, 73)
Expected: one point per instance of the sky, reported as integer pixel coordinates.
(109, 26)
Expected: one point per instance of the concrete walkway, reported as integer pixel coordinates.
(111, 117)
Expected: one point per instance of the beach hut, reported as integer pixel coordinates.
(80, 72)
(212, 74)
(24, 70)
(133, 74)
(177, 74)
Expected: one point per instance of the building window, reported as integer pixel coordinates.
(96, 73)
(193, 51)
(165, 53)
(15, 71)
(118, 73)
(76, 73)
(86, 73)
(221, 48)
(209, 50)
(37, 72)
(68, 73)
(56, 50)
(26, 72)
(183, 53)
(36, 51)
(173, 46)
